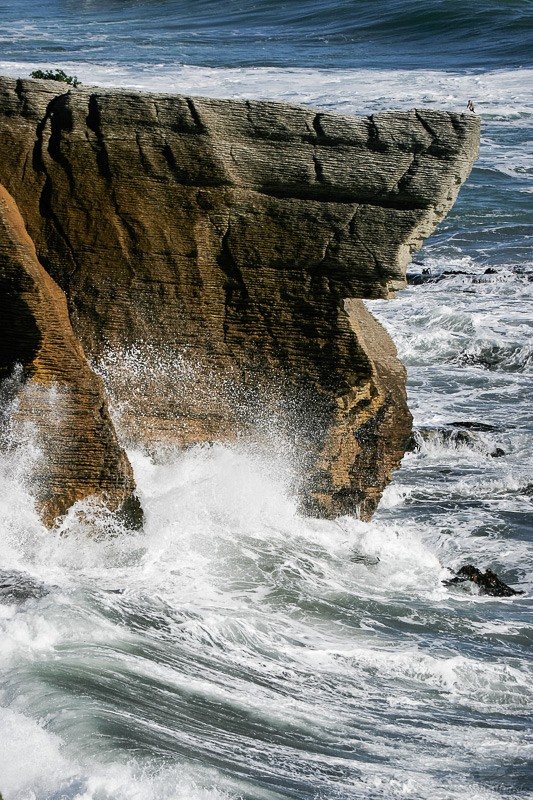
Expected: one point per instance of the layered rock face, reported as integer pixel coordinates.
(207, 249)
(53, 395)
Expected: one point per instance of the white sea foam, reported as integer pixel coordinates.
(234, 648)
(226, 568)
(35, 766)
(505, 93)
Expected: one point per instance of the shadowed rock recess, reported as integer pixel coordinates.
(213, 255)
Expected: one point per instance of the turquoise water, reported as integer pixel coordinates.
(233, 649)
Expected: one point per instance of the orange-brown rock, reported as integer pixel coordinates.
(53, 395)
(207, 248)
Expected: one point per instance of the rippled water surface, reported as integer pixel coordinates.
(234, 649)
(446, 34)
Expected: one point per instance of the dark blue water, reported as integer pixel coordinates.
(233, 649)
(450, 34)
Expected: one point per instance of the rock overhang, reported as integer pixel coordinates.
(234, 231)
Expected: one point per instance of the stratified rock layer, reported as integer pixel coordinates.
(55, 398)
(212, 244)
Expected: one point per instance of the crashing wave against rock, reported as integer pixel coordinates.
(233, 239)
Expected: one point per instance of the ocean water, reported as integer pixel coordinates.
(234, 649)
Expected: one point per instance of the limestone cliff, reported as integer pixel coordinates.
(206, 249)
(55, 398)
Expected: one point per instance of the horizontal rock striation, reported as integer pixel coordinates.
(53, 396)
(206, 249)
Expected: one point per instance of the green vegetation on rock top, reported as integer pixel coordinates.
(58, 75)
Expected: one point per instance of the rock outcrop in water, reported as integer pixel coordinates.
(487, 582)
(213, 255)
(52, 395)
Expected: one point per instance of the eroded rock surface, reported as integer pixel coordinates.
(53, 396)
(206, 249)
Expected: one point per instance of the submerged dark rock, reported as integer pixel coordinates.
(474, 426)
(451, 273)
(498, 452)
(426, 276)
(438, 434)
(418, 278)
(454, 435)
(488, 582)
(362, 558)
(16, 587)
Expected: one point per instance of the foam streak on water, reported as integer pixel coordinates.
(236, 649)
(233, 649)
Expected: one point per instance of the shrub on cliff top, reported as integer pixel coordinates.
(58, 75)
